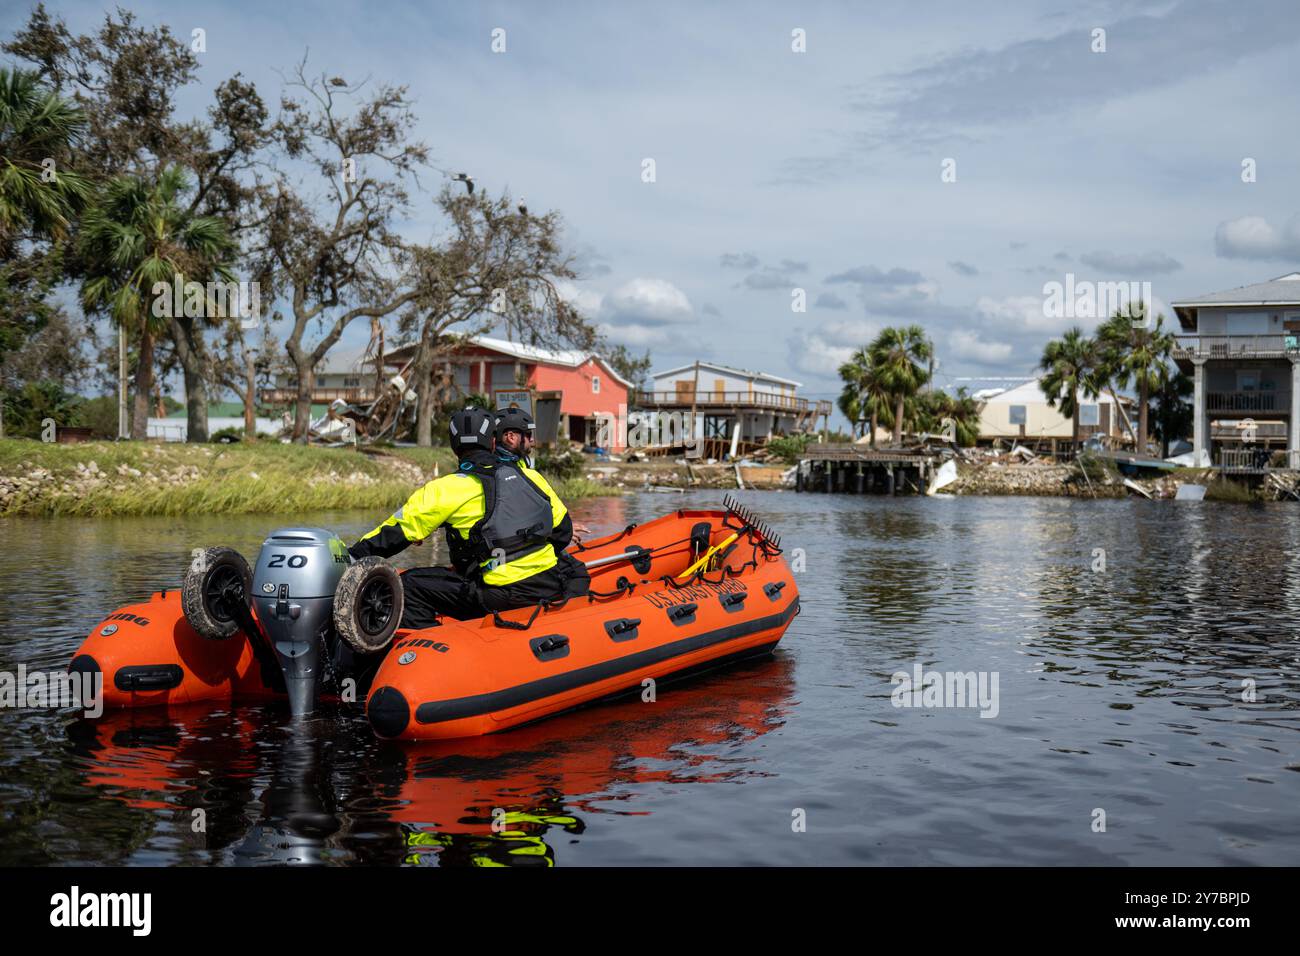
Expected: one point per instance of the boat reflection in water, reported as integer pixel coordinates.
(246, 786)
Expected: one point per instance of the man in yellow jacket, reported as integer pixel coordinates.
(506, 528)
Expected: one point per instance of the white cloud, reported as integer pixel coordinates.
(586, 301)
(814, 355)
(969, 345)
(821, 351)
(1253, 237)
(648, 302)
(1019, 313)
(854, 333)
(642, 313)
(638, 336)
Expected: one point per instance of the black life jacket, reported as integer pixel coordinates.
(517, 517)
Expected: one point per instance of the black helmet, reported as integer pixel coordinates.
(471, 429)
(513, 419)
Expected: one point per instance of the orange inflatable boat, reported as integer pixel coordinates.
(690, 591)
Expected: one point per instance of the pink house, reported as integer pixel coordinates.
(579, 386)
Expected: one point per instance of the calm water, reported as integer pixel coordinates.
(1119, 690)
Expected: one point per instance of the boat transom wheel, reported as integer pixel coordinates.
(224, 592)
(368, 604)
(216, 583)
(375, 606)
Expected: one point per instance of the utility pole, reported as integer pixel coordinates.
(695, 391)
(250, 394)
(122, 431)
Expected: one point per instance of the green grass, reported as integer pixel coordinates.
(571, 489)
(1226, 489)
(264, 477)
(174, 479)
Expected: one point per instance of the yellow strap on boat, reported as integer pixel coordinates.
(708, 554)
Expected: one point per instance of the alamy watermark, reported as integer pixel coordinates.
(1084, 299)
(38, 689)
(616, 430)
(133, 911)
(940, 689)
(195, 300)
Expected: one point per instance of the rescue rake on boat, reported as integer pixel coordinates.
(749, 518)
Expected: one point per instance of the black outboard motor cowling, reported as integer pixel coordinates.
(294, 581)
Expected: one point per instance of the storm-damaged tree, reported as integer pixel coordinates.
(1136, 351)
(1072, 369)
(243, 363)
(332, 239)
(497, 266)
(633, 369)
(226, 156)
(962, 409)
(135, 242)
(125, 78)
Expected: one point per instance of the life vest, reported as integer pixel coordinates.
(516, 520)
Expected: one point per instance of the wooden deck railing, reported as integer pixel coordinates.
(706, 397)
(319, 396)
(1256, 460)
(1268, 401)
(1261, 431)
(1234, 346)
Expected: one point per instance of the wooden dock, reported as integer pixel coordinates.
(858, 469)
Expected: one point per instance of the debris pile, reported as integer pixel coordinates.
(390, 416)
(995, 477)
(1282, 486)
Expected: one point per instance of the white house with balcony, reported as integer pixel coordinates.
(722, 398)
(1242, 348)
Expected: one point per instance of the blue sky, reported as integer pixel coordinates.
(821, 170)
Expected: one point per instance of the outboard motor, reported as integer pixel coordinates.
(314, 606)
(294, 580)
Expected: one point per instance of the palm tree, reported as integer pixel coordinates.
(899, 357)
(136, 236)
(850, 406)
(864, 398)
(37, 128)
(1072, 367)
(1136, 352)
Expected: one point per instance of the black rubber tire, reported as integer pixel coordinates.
(214, 578)
(368, 605)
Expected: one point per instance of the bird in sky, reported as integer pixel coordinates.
(467, 180)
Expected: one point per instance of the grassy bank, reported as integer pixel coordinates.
(101, 479)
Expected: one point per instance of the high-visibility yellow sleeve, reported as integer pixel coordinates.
(423, 513)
